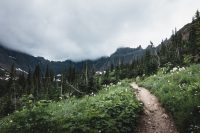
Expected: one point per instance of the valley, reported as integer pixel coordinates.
(144, 90)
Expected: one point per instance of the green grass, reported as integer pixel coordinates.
(179, 92)
(113, 109)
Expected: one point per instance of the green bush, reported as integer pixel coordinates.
(113, 109)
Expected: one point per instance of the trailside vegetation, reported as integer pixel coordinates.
(179, 92)
(113, 109)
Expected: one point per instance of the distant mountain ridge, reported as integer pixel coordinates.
(126, 55)
(25, 61)
(123, 55)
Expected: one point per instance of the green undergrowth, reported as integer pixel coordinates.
(113, 109)
(179, 92)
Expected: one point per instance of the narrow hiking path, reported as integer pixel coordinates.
(154, 118)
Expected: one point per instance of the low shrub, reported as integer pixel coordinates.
(113, 109)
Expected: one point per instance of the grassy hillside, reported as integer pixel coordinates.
(113, 109)
(179, 92)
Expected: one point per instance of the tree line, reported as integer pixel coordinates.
(175, 51)
(47, 86)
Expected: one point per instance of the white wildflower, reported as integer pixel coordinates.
(182, 69)
(179, 86)
(174, 69)
(119, 83)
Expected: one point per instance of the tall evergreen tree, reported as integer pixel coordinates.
(12, 86)
(194, 38)
(22, 84)
(37, 81)
(29, 82)
(47, 80)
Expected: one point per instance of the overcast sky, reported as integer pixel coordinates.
(88, 29)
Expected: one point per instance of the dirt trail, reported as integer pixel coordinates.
(154, 118)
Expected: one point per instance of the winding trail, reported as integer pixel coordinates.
(154, 119)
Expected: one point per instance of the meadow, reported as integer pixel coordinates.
(179, 92)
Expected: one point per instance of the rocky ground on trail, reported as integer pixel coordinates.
(154, 118)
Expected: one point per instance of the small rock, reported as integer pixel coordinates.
(165, 116)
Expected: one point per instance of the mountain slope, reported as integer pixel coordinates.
(25, 61)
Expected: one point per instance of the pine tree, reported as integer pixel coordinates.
(71, 74)
(117, 73)
(22, 84)
(194, 38)
(197, 15)
(163, 54)
(47, 80)
(12, 87)
(111, 67)
(37, 81)
(147, 59)
(176, 48)
(29, 82)
(197, 26)
(156, 57)
(86, 73)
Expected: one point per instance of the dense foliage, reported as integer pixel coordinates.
(179, 92)
(46, 86)
(113, 109)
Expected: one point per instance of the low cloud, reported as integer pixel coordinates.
(88, 29)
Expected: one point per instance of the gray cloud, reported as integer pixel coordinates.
(88, 29)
